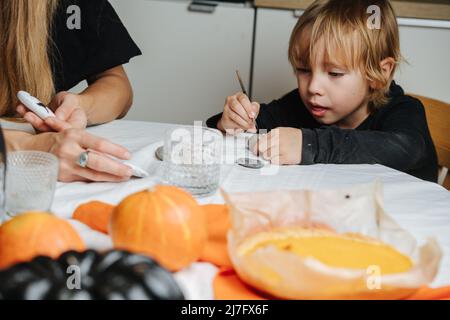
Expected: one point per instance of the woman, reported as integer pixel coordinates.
(47, 47)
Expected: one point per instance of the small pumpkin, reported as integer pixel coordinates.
(36, 233)
(89, 275)
(218, 220)
(164, 222)
(95, 214)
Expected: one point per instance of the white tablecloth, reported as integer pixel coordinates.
(422, 208)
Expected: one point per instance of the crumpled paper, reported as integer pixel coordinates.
(356, 209)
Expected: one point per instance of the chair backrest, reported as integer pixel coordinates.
(438, 118)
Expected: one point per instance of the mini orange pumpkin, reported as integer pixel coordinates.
(33, 234)
(95, 214)
(164, 222)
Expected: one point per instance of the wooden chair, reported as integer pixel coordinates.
(438, 118)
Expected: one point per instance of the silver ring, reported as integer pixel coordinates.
(83, 159)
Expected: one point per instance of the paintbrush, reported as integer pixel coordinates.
(241, 83)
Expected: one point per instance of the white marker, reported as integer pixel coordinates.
(34, 105)
(137, 172)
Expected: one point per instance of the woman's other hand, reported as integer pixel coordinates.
(68, 111)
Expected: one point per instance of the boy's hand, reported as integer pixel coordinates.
(238, 113)
(280, 146)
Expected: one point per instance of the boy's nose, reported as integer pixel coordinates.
(315, 86)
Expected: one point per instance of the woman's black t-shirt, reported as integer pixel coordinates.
(100, 43)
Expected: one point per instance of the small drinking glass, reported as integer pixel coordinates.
(192, 159)
(30, 181)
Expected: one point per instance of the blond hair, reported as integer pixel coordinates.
(342, 26)
(25, 28)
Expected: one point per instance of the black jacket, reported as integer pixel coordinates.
(395, 135)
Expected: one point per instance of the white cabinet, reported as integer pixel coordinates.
(427, 71)
(189, 58)
(273, 75)
(425, 48)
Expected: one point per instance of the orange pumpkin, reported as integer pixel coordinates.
(164, 222)
(33, 234)
(218, 220)
(95, 214)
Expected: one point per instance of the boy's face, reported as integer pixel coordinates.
(333, 94)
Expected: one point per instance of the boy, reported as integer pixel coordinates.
(347, 109)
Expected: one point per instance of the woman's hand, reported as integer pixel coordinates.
(238, 113)
(67, 109)
(70, 143)
(280, 146)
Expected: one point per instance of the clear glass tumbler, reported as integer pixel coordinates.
(192, 159)
(30, 181)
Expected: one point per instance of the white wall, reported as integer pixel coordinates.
(427, 71)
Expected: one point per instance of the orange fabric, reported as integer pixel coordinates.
(95, 214)
(217, 223)
(228, 286)
(426, 293)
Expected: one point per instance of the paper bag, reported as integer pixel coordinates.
(357, 209)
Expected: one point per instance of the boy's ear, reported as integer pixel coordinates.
(386, 65)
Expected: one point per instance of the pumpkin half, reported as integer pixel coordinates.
(315, 263)
(164, 222)
(352, 251)
(34, 234)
